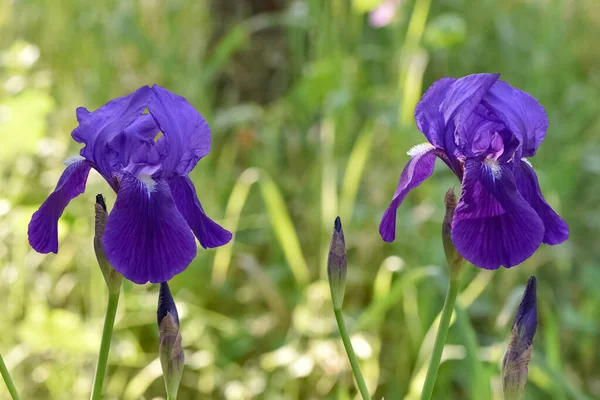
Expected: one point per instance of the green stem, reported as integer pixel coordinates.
(109, 322)
(172, 393)
(360, 381)
(8, 380)
(440, 339)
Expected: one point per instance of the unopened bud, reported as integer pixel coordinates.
(453, 258)
(518, 354)
(112, 278)
(172, 358)
(336, 265)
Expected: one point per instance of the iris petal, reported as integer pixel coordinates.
(556, 229)
(186, 134)
(429, 119)
(419, 168)
(133, 144)
(464, 95)
(146, 238)
(43, 228)
(98, 128)
(209, 233)
(493, 224)
(521, 113)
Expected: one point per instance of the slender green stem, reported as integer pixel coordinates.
(440, 339)
(172, 392)
(8, 380)
(360, 381)
(109, 321)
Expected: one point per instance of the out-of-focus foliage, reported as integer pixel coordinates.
(311, 110)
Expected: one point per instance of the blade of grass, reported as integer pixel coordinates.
(551, 335)
(383, 280)
(233, 211)
(413, 62)
(478, 376)
(284, 229)
(376, 311)
(141, 382)
(329, 197)
(465, 299)
(354, 172)
(547, 380)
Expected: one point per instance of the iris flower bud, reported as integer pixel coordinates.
(336, 265)
(453, 258)
(113, 278)
(172, 358)
(518, 354)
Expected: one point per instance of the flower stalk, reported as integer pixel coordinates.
(10, 385)
(113, 282)
(336, 272)
(440, 339)
(107, 330)
(455, 266)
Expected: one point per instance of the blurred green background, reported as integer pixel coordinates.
(311, 111)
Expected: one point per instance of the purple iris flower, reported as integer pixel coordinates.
(150, 232)
(484, 129)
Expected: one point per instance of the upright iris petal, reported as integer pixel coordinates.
(97, 129)
(522, 113)
(186, 135)
(480, 127)
(149, 234)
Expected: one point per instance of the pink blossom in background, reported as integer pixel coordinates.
(384, 13)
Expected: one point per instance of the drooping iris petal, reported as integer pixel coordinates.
(146, 238)
(521, 113)
(186, 134)
(556, 229)
(464, 95)
(209, 233)
(429, 119)
(43, 228)
(493, 224)
(419, 168)
(98, 128)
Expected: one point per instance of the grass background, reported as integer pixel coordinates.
(311, 112)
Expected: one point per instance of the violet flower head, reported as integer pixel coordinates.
(483, 129)
(149, 234)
